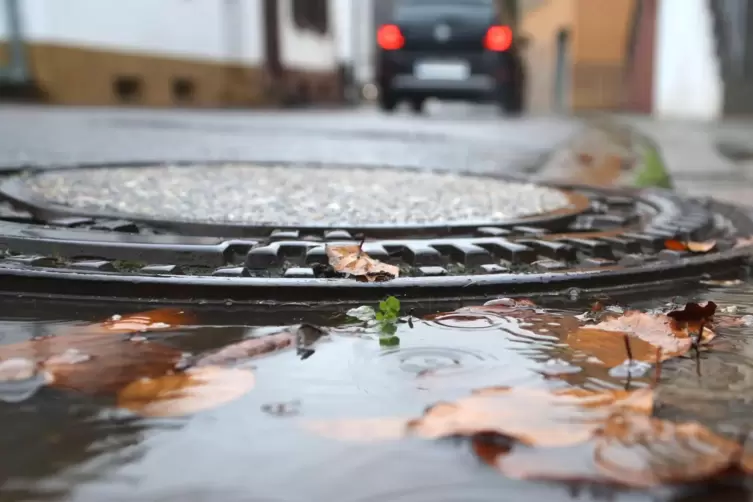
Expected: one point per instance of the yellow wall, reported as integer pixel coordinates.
(541, 23)
(599, 53)
(599, 36)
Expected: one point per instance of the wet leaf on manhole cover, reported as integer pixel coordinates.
(693, 247)
(353, 261)
(185, 393)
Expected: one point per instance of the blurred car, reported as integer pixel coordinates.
(448, 49)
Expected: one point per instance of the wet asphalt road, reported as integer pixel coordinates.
(448, 136)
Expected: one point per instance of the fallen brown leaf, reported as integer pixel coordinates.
(647, 332)
(645, 452)
(351, 260)
(694, 317)
(301, 337)
(533, 417)
(693, 247)
(248, 349)
(141, 322)
(95, 363)
(630, 450)
(185, 393)
(570, 463)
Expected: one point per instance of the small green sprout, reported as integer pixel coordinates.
(385, 320)
(389, 310)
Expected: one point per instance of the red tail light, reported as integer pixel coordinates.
(498, 38)
(390, 38)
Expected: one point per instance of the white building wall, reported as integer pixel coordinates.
(302, 49)
(688, 81)
(355, 35)
(194, 29)
(3, 22)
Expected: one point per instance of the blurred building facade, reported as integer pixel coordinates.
(702, 57)
(687, 59)
(173, 52)
(576, 54)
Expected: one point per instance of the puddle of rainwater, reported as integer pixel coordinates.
(65, 445)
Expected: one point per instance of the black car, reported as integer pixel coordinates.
(448, 49)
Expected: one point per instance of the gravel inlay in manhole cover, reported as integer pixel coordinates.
(290, 195)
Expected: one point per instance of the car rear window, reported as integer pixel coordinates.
(412, 6)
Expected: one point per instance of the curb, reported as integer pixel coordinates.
(606, 153)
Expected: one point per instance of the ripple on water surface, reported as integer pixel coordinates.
(73, 446)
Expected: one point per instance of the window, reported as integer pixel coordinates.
(311, 15)
(127, 88)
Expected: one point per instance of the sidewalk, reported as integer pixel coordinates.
(691, 153)
(702, 159)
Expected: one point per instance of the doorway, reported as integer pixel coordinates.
(562, 72)
(13, 64)
(272, 39)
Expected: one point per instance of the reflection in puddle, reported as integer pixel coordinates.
(243, 436)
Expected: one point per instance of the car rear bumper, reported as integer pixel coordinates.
(474, 86)
(488, 72)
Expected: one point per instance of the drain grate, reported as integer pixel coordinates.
(604, 239)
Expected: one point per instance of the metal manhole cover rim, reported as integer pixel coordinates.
(15, 190)
(208, 289)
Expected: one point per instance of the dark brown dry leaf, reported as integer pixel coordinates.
(693, 247)
(648, 332)
(644, 452)
(185, 393)
(351, 260)
(95, 363)
(694, 312)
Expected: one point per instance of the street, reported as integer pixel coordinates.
(451, 136)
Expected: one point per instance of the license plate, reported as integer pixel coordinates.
(442, 70)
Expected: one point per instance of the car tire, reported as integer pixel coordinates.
(510, 101)
(387, 101)
(417, 105)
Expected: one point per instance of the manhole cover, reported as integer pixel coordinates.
(291, 195)
(132, 232)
